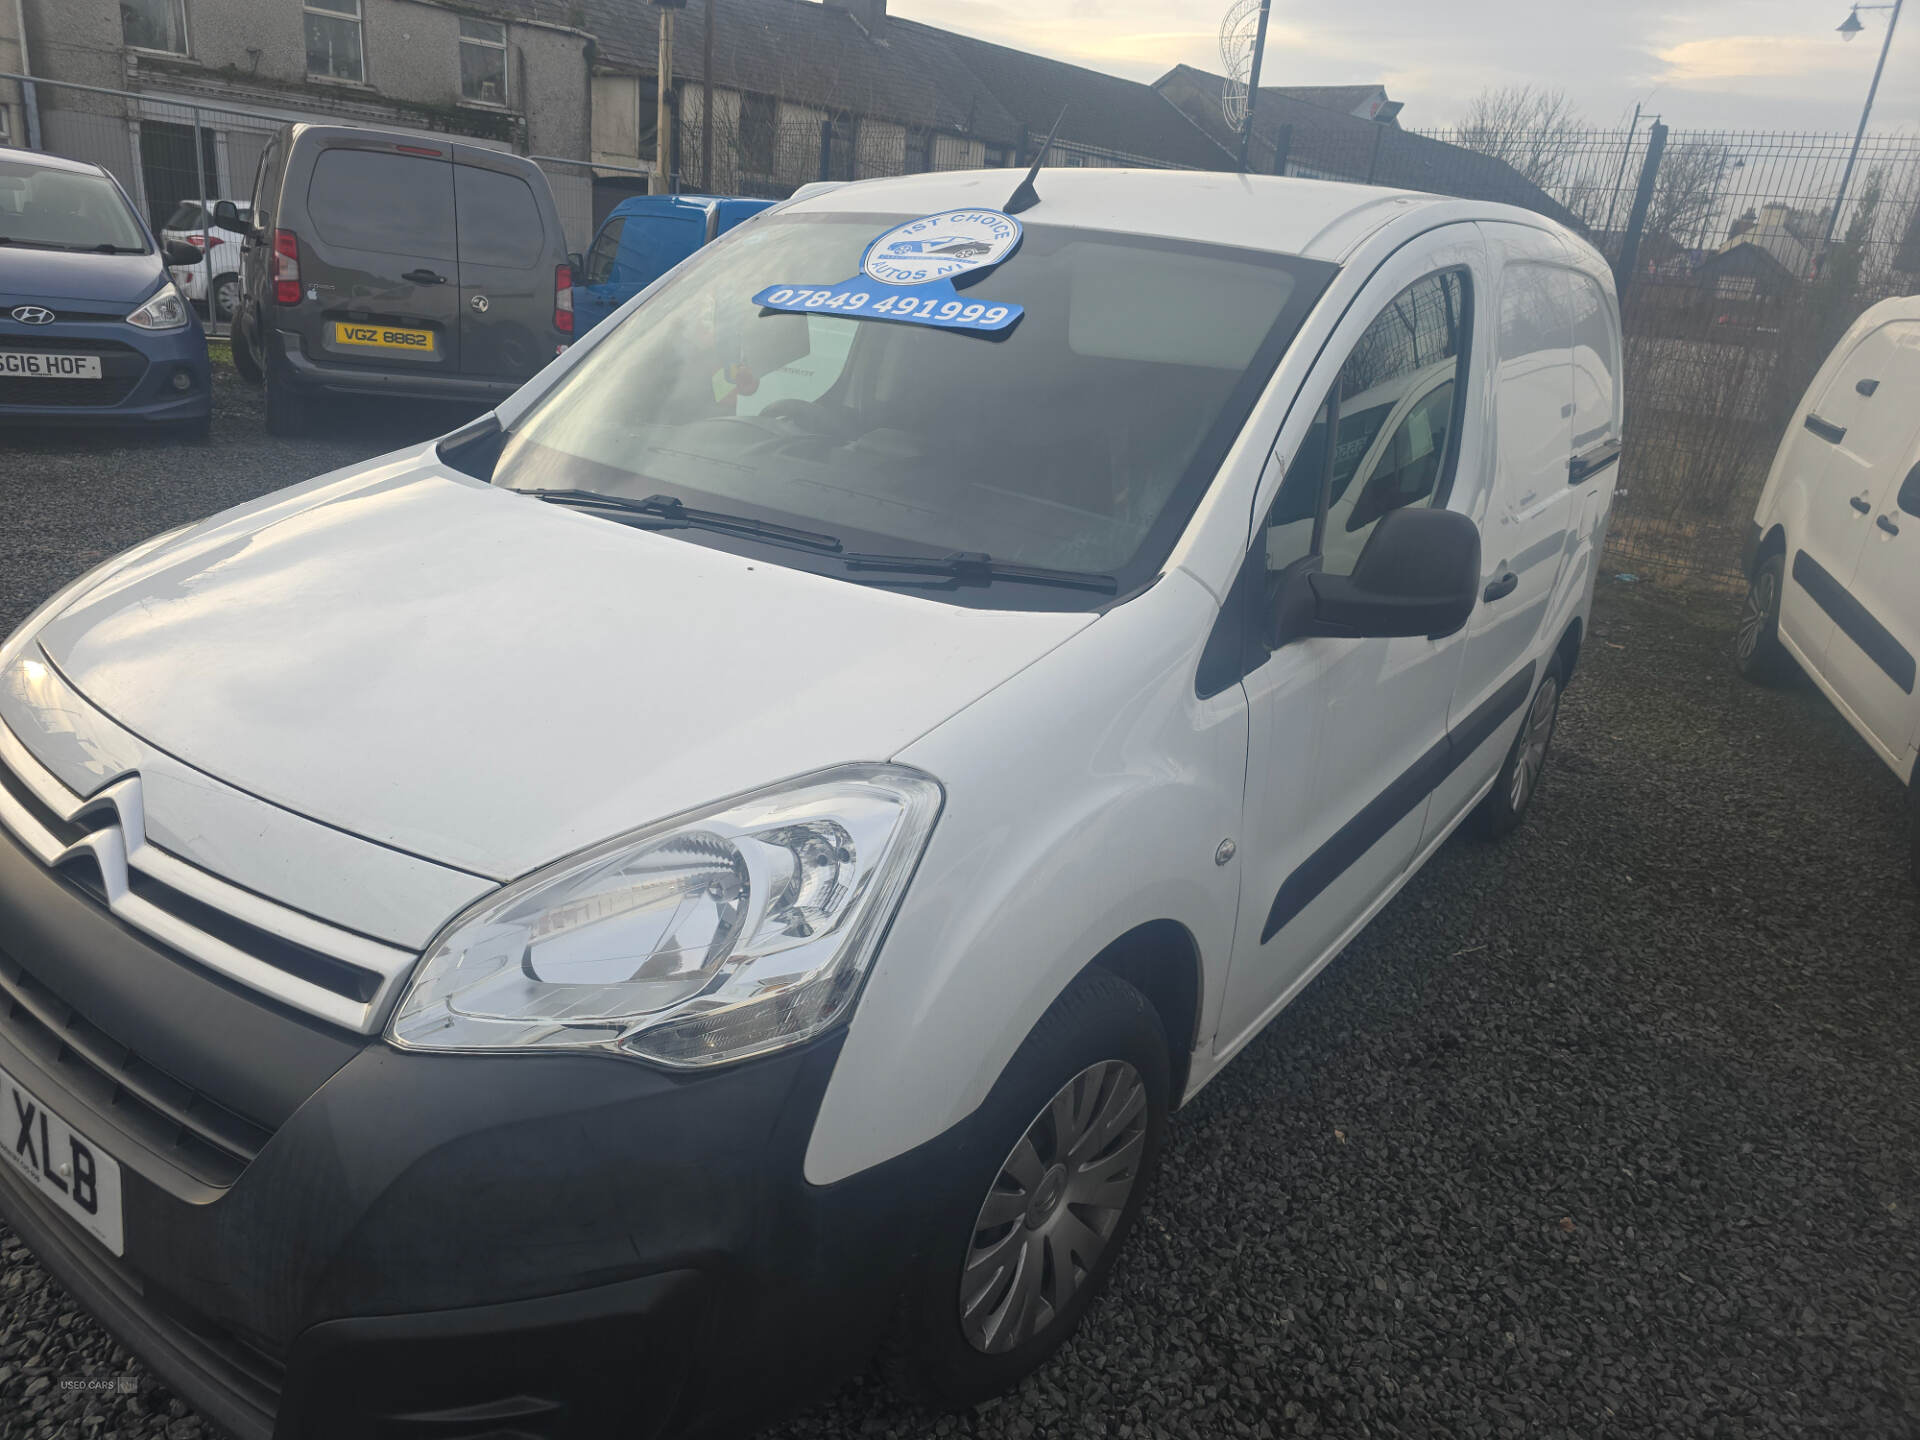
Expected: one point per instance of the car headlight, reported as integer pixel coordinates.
(730, 932)
(165, 311)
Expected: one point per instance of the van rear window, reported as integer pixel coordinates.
(391, 204)
(499, 221)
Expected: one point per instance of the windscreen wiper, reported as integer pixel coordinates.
(965, 567)
(664, 512)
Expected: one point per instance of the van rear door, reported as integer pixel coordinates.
(377, 254)
(506, 289)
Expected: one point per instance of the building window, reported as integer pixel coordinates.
(155, 25)
(483, 61)
(333, 40)
(759, 123)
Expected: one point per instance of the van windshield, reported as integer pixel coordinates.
(1080, 440)
(53, 209)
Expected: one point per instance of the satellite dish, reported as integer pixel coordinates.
(1239, 34)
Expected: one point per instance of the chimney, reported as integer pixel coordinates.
(869, 15)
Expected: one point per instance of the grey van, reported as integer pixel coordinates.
(393, 264)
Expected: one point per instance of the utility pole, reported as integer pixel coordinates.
(1253, 82)
(1849, 28)
(706, 102)
(663, 116)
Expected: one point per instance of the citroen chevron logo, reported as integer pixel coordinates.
(33, 314)
(111, 844)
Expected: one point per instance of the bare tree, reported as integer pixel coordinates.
(1530, 129)
(1686, 194)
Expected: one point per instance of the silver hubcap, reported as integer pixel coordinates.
(226, 298)
(1534, 740)
(1053, 1206)
(1753, 615)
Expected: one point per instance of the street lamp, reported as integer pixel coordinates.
(1848, 28)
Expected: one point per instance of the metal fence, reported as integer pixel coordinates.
(1740, 262)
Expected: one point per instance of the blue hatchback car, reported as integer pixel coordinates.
(92, 329)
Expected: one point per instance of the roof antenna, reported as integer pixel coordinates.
(1026, 197)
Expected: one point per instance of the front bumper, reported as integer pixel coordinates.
(455, 1246)
(137, 382)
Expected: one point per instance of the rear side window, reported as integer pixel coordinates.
(392, 204)
(499, 219)
(1596, 364)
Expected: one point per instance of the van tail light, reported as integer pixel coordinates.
(563, 299)
(286, 268)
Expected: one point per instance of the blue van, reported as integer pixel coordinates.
(92, 329)
(643, 238)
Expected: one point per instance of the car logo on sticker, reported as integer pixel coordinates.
(939, 247)
(479, 302)
(33, 314)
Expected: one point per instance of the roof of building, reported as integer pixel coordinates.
(1346, 147)
(1368, 102)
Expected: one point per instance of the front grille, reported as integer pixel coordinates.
(96, 846)
(204, 1138)
(121, 367)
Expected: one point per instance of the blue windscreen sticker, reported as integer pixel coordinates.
(907, 274)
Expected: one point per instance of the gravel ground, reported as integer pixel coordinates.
(1611, 1130)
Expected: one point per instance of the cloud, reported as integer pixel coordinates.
(1747, 57)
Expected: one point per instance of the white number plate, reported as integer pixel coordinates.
(49, 367)
(77, 1176)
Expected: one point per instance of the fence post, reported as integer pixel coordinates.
(826, 149)
(203, 195)
(1373, 155)
(1637, 221)
(1282, 143)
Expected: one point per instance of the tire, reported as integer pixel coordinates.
(1757, 652)
(225, 300)
(244, 359)
(1506, 804)
(1098, 1058)
(289, 412)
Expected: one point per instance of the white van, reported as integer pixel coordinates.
(1833, 559)
(667, 891)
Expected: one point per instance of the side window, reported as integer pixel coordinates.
(600, 258)
(258, 204)
(1382, 438)
(1596, 365)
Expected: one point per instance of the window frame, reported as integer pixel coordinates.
(463, 40)
(330, 9)
(179, 8)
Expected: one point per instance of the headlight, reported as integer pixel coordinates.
(165, 311)
(708, 938)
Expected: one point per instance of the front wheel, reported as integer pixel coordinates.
(226, 297)
(1506, 804)
(1065, 1147)
(1757, 652)
(244, 359)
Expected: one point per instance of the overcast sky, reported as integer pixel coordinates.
(1734, 64)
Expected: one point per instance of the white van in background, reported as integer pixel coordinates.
(1833, 559)
(669, 862)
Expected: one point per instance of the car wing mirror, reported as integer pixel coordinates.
(178, 252)
(1419, 574)
(577, 264)
(227, 216)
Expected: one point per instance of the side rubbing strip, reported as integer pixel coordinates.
(1855, 620)
(1395, 803)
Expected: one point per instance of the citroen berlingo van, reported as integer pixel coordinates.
(729, 864)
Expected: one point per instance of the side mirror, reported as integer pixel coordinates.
(178, 252)
(227, 216)
(1418, 575)
(577, 264)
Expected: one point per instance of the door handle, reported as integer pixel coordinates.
(424, 277)
(1887, 525)
(1501, 588)
(1862, 506)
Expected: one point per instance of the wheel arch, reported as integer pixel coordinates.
(1567, 652)
(1773, 543)
(1161, 960)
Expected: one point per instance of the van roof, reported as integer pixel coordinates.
(1319, 219)
(50, 162)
